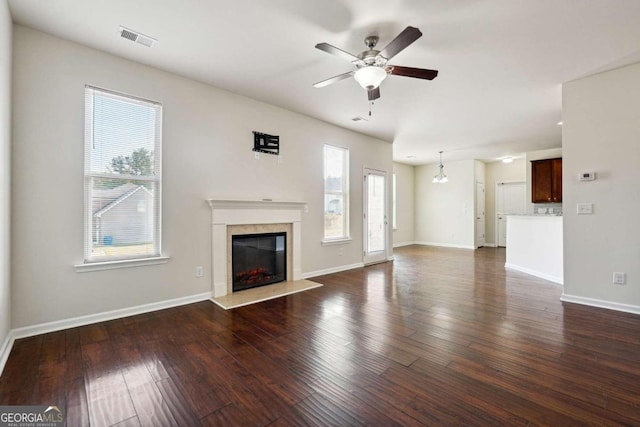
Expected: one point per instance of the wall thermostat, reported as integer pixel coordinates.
(587, 176)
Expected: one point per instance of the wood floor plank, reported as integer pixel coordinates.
(439, 336)
(107, 393)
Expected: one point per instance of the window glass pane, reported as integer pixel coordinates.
(336, 192)
(122, 177)
(123, 136)
(333, 216)
(375, 213)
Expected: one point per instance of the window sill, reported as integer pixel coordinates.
(125, 263)
(336, 242)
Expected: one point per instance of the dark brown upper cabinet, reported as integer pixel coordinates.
(546, 181)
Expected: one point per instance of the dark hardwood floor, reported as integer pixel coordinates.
(438, 337)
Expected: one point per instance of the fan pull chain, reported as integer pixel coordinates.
(370, 105)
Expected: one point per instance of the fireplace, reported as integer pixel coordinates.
(258, 260)
(231, 217)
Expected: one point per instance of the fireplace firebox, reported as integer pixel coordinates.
(258, 260)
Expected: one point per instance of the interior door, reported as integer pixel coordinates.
(375, 216)
(480, 216)
(510, 200)
(502, 231)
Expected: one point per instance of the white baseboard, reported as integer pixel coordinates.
(58, 325)
(390, 258)
(445, 245)
(554, 279)
(490, 245)
(601, 303)
(332, 270)
(6, 349)
(401, 244)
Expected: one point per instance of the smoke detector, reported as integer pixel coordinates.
(137, 37)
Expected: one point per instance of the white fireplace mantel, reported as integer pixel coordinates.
(225, 212)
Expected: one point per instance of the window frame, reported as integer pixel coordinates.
(344, 193)
(92, 262)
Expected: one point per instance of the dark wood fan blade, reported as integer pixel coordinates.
(373, 94)
(418, 73)
(326, 47)
(334, 79)
(404, 39)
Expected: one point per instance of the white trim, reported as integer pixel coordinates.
(555, 279)
(123, 263)
(401, 244)
(5, 350)
(255, 203)
(58, 325)
(445, 245)
(336, 241)
(332, 270)
(391, 257)
(601, 303)
(490, 245)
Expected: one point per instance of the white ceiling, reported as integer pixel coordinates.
(501, 62)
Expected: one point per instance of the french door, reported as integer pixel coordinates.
(375, 216)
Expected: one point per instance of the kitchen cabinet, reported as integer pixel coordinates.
(546, 181)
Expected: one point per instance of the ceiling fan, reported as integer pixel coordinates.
(371, 65)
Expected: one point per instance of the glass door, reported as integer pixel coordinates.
(375, 216)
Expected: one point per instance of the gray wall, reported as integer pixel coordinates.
(5, 172)
(207, 141)
(601, 134)
(499, 172)
(445, 213)
(405, 209)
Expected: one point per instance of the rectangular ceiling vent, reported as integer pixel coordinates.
(137, 37)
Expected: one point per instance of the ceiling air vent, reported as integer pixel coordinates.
(137, 37)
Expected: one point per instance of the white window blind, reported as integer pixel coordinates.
(122, 176)
(336, 193)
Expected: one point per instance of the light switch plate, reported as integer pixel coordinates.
(619, 278)
(585, 208)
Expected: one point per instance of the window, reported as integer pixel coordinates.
(395, 203)
(336, 193)
(122, 176)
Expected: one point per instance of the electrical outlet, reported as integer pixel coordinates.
(619, 278)
(199, 271)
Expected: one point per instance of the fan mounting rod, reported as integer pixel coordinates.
(371, 42)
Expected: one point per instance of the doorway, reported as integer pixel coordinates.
(480, 205)
(510, 200)
(375, 216)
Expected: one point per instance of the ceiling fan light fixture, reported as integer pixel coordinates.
(370, 77)
(440, 177)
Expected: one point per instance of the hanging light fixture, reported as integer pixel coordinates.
(440, 177)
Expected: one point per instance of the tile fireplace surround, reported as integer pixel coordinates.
(252, 216)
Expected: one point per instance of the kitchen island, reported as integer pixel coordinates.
(534, 246)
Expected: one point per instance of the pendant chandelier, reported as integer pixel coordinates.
(440, 177)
